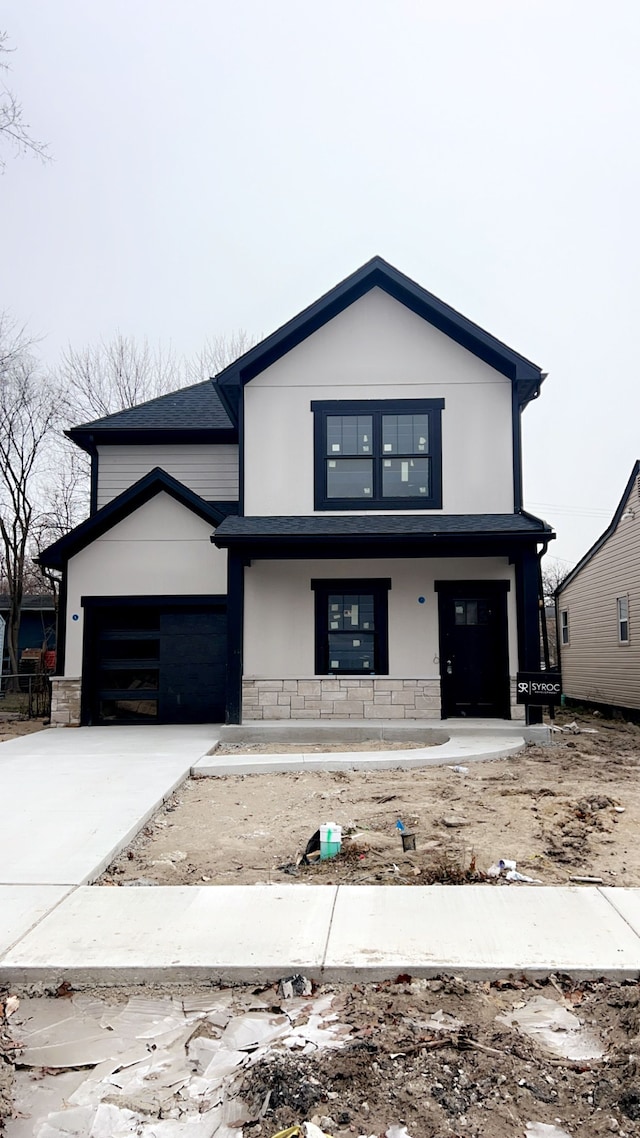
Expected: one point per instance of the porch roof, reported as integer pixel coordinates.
(396, 529)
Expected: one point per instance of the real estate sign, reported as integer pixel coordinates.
(539, 687)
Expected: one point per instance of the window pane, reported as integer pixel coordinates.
(405, 478)
(349, 434)
(471, 612)
(130, 617)
(128, 711)
(623, 618)
(347, 613)
(349, 478)
(405, 434)
(138, 649)
(129, 679)
(351, 653)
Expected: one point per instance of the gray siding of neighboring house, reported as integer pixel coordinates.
(210, 471)
(596, 667)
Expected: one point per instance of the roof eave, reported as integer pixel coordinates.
(113, 436)
(254, 541)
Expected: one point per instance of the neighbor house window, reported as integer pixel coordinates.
(351, 627)
(378, 454)
(564, 626)
(623, 620)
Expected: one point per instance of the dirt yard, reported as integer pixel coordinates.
(570, 809)
(12, 727)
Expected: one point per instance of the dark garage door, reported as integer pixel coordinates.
(155, 663)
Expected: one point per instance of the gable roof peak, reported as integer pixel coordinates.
(378, 273)
(155, 482)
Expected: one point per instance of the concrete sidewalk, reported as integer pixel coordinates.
(103, 936)
(73, 799)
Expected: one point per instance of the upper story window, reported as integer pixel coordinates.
(564, 626)
(378, 454)
(623, 620)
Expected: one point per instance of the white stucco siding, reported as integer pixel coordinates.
(210, 471)
(378, 349)
(160, 549)
(279, 627)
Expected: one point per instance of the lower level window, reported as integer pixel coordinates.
(351, 627)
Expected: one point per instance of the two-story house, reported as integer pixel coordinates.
(332, 529)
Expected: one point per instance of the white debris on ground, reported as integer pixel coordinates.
(160, 1067)
(554, 1027)
(545, 1130)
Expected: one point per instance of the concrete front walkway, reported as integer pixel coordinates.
(72, 799)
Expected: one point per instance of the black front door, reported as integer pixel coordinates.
(474, 656)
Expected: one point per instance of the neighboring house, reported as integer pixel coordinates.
(332, 529)
(599, 613)
(37, 631)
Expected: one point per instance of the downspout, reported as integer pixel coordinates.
(543, 619)
(516, 442)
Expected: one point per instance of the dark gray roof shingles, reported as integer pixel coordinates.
(197, 407)
(427, 525)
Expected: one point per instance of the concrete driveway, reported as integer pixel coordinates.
(71, 799)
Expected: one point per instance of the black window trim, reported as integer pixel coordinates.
(323, 408)
(379, 588)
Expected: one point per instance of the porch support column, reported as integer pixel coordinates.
(235, 626)
(526, 567)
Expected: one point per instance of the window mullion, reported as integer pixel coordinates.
(377, 456)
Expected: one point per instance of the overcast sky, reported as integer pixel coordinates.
(220, 165)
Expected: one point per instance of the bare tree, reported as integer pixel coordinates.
(13, 128)
(218, 352)
(14, 342)
(64, 504)
(29, 413)
(554, 572)
(115, 374)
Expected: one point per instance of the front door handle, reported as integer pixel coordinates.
(449, 667)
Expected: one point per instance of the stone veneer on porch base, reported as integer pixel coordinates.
(65, 701)
(335, 697)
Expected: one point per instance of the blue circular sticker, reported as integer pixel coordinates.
(421, 600)
(75, 616)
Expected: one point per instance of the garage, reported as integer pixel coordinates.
(154, 660)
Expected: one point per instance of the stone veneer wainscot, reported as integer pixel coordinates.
(65, 701)
(337, 697)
